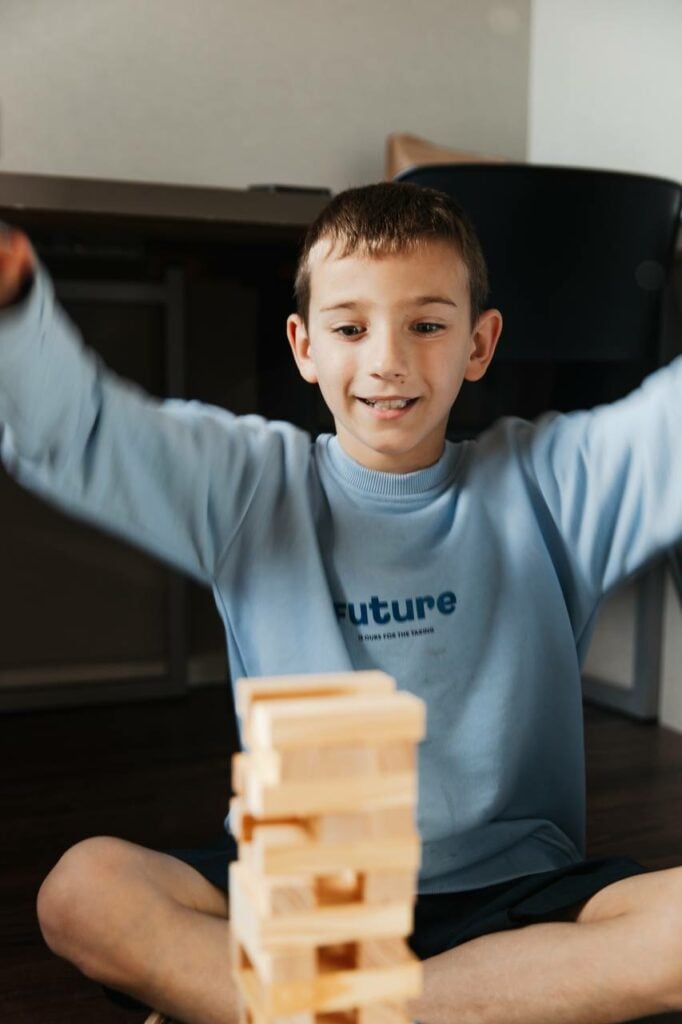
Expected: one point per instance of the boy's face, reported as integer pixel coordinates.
(391, 328)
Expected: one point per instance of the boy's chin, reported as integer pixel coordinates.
(390, 458)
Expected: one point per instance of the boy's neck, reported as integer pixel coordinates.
(386, 462)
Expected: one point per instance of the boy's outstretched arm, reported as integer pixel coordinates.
(174, 477)
(611, 480)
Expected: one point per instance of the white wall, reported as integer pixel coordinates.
(606, 85)
(224, 93)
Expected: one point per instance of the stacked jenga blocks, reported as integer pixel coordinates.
(322, 894)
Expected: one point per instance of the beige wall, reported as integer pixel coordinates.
(606, 85)
(221, 92)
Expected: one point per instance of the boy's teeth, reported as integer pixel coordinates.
(396, 403)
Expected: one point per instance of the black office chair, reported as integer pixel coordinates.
(579, 264)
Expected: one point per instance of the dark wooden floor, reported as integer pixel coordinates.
(156, 774)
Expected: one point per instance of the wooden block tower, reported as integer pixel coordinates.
(321, 897)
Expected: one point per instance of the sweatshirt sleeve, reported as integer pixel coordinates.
(174, 477)
(611, 479)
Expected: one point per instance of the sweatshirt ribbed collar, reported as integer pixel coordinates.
(373, 482)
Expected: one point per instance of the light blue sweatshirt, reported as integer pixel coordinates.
(473, 582)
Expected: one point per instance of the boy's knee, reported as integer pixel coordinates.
(72, 900)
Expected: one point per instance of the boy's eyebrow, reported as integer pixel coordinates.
(419, 300)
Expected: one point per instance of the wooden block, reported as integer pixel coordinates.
(274, 834)
(384, 953)
(303, 799)
(338, 1017)
(339, 990)
(334, 762)
(239, 959)
(321, 721)
(247, 952)
(239, 767)
(322, 926)
(274, 767)
(252, 993)
(383, 1013)
(400, 756)
(300, 965)
(285, 966)
(336, 924)
(303, 856)
(341, 887)
(246, 855)
(241, 822)
(285, 894)
(343, 956)
(388, 886)
(382, 823)
(251, 689)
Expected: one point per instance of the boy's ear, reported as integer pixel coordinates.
(300, 347)
(484, 338)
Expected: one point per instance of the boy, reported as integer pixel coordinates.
(470, 572)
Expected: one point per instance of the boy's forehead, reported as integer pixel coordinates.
(428, 263)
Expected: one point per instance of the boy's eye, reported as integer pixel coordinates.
(347, 330)
(428, 327)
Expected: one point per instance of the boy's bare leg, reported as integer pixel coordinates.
(144, 923)
(153, 927)
(545, 973)
(618, 959)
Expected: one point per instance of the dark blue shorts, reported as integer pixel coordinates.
(444, 920)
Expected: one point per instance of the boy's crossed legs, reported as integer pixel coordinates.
(147, 924)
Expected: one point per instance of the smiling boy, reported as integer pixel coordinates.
(389, 341)
(509, 543)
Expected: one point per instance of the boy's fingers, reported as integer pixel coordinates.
(17, 262)
(15, 247)
(13, 240)
(8, 242)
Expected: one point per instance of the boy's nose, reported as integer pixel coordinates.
(389, 358)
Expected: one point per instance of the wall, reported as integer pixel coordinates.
(223, 93)
(606, 85)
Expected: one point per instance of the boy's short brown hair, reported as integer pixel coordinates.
(394, 217)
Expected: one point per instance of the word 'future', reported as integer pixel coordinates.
(391, 611)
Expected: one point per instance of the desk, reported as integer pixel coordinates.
(160, 210)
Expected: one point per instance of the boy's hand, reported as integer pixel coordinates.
(17, 263)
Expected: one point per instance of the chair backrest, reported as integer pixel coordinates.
(578, 259)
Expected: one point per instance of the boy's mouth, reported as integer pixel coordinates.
(388, 403)
(388, 408)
